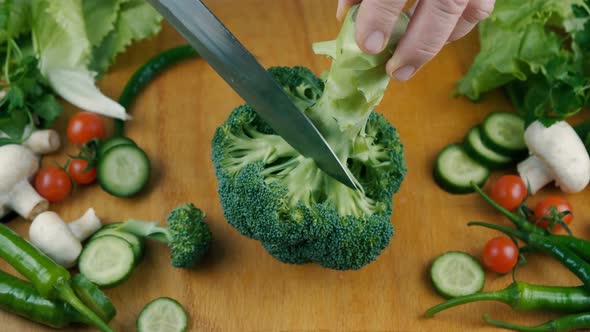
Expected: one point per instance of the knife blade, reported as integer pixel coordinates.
(238, 67)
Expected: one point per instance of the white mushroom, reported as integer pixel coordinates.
(59, 240)
(41, 141)
(557, 154)
(85, 226)
(17, 164)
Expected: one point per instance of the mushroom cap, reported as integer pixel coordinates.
(17, 163)
(562, 151)
(53, 237)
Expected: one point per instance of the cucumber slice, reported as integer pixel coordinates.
(504, 133)
(124, 170)
(456, 273)
(93, 298)
(112, 142)
(107, 261)
(477, 150)
(454, 170)
(162, 315)
(137, 243)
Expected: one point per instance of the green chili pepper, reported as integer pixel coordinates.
(569, 250)
(93, 297)
(519, 222)
(522, 296)
(21, 298)
(51, 280)
(147, 73)
(561, 324)
(580, 246)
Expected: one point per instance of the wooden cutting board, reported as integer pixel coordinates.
(240, 287)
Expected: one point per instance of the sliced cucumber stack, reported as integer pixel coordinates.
(497, 142)
(112, 142)
(455, 170)
(107, 261)
(479, 151)
(504, 133)
(123, 170)
(457, 274)
(162, 315)
(137, 243)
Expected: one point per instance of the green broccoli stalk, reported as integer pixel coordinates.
(271, 193)
(187, 235)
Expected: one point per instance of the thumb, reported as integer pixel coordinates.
(375, 22)
(343, 7)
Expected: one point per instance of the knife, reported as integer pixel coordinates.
(230, 59)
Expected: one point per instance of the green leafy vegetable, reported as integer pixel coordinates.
(136, 21)
(28, 103)
(75, 41)
(538, 51)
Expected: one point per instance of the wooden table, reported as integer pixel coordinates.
(240, 287)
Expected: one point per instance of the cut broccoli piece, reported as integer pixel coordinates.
(187, 235)
(271, 193)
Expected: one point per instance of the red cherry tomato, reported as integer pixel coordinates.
(85, 126)
(543, 209)
(500, 254)
(509, 191)
(53, 183)
(78, 172)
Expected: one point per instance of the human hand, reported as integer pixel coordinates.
(433, 24)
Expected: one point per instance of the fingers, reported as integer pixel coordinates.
(431, 26)
(343, 6)
(374, 23)
(475, 12)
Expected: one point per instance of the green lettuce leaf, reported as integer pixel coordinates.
(538, 51)
(137, 20)
(64, 48)
(100, 17)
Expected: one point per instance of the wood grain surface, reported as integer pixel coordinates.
(240, 287)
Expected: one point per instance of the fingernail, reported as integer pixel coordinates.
(374, 42)
(404, 73)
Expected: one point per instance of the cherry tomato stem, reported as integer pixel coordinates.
(544, 212)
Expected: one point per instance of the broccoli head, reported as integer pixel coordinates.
(271, 193)
(187, 235)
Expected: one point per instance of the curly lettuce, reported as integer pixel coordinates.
(76, 41)
(538, 51)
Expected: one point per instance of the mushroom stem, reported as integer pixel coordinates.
(25, 201)
(85, 226)
(534, 173)
(43, 141)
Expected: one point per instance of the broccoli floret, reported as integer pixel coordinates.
(187, 235)
(271, 193)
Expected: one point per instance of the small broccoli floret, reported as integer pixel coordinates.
(191, 236)
(187, 235)
(271, 193)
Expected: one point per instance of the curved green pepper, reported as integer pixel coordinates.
(51, 280)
